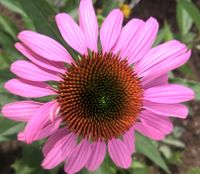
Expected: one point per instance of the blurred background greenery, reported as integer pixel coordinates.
(179, 153)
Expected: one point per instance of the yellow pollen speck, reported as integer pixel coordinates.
(126, 9)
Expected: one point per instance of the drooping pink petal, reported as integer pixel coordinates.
(54, 111)
(60, 151)
(161, 60)
(129, 140)
(149, 131)
(45, 46)
(29, 71)
(168, 50)
(111, 29)
(88, 23)
(169, 94)
(162, 80)
(40, 61)
(79, 157)
(29, 89)
(20, 111)
(38, 121)
(119, 153)
(143, 40)
(169, 110)
(46, 131)
(97, 155)
(128, 34)
(53, 139)
(71, 32)
(162, 124)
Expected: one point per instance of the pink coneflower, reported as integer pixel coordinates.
(103, 97)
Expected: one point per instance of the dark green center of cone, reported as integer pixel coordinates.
(103, 97)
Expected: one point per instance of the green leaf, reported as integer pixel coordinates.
(137, 164)
(13, 6)
(138, 168)
(148, 148)
(28, 23)
(71, 7)
(21, 168)
(176, 158)
(166, 151)
(160, 37)
(13, 130)
(168, 32)
(8, 26)
(108, 6)
(30, 163)
(100, 20)
(178, 132)
(5, 124)
(5, 75)
(7, 43)
(9, 129)
(183, 19)
(16, 7)
(186, 70)
(174, 142)
(42, 15)
(192, 10)
(164, 34)
(4, 60)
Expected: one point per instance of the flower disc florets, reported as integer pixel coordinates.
(100, 96)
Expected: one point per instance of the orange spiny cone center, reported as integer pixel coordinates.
(100, 97)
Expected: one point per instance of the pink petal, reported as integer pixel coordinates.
(119, 153)
(78, 158)
(38, 60)
(53, 139)
(162, 59)
(143, 40)
(71, 32)
(149, 131)
(169, 110)
(46, 131)
(54, 111)
(129, 140)
(162, 80)
(88, 23)
(61, 150)
(45, 46)
(111, 29)
(38, 121)
(169, 94)
(162, 124)
(20, 111)
(29, 71)
(128, 34)
(29, 89)
(160, 52)
(97, 155)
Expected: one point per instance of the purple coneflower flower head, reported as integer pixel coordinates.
(102, 98)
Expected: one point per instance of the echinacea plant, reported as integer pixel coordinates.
(101, 97)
